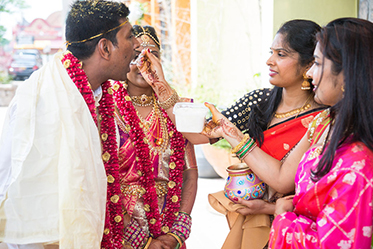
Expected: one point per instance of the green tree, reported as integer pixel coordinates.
(9, 6)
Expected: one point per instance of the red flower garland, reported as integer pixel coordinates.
(157, 225)
(114, 218)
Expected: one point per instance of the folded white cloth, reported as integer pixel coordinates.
(57, 186)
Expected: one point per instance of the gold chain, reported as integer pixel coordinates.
(296, 111)
(161, 142)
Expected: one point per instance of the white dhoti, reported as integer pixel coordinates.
(57, 186)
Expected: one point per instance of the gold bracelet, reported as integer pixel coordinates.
(148, 243)
(170, 102)
(242, 143)
(196, 168)
(177, 238)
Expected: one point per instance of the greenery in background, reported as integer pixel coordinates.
(205, 93)
(3, 41)
(5, 78)
(223, 144)
(9, 6)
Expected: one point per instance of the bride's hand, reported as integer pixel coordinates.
(220, 126)
(151, 70)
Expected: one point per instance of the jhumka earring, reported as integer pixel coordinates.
(305, 84)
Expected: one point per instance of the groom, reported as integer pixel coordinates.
(58, 152)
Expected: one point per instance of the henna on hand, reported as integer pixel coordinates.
(152, 75)
(161, 88)
(228, 128)
(164, 92)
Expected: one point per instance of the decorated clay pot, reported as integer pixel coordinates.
(243, 183)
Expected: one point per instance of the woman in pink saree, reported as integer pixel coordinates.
(332, 206)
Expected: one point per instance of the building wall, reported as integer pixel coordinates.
(366, 9)
(320, 11)
(227, 46)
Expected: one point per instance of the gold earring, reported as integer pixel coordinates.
(343, 88)
(305, 84)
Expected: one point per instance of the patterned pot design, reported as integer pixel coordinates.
(243, 183)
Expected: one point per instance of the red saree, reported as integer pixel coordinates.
(281, 138)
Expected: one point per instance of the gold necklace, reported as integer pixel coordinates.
(296, 111)
(160, 140)
(142, 100)
(160, 143)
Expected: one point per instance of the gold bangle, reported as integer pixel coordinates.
(196, 168)
(148, 243)
(177, 238)
(170, 102)
(241, 144)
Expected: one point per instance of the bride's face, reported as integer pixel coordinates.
(134, 76)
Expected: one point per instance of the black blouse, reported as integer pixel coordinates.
(239, 112)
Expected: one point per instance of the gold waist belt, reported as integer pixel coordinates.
(137, 190)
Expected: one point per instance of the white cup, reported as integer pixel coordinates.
(190, 117)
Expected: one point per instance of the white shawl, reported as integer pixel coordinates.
(57, 191)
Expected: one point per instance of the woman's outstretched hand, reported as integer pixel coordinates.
(151, 70)
(220, 126)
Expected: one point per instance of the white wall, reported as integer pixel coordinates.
(230, 44)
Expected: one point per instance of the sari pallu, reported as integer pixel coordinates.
(334, 212)
(252, 231)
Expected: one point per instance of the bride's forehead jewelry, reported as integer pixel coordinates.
(145, 37)
(145, 41)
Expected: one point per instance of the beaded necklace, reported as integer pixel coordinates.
(158, 225)
(113, 221)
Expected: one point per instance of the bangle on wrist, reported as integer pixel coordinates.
(249, 151)
(148, 243)
(182, 226)
(241, 144)
(134, 235)
(182, 212)
(245, 147)
(177, 238)
(170, 102)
